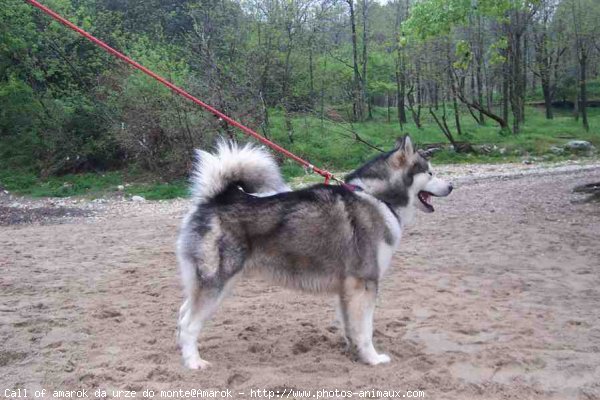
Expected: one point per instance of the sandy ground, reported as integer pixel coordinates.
(495, 295)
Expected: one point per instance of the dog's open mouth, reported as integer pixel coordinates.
(425, 198)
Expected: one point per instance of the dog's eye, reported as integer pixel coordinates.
(430, 173)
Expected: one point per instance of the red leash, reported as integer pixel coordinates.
(326, 174)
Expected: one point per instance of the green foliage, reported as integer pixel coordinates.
(67, 108)
(496, 51)
(88, 184)
(28, 183)
(382, 70)
(432, 18)
(17, 105)
(334, 147)
(464, 55)
(160, 191)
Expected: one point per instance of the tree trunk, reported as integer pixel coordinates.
(479, 67)
(583, 87)
(453, 88)
(419, 96)
(505, 92)
(401, 95)
(456, 115)
(400, 70)
(480, 90)
(265, 124)
(311, 74)
(286, 89)
(416, 114)
(516, 80)
(544, 64)
(501, 121)
(289, 128)
(547, 99)
(489, 89)
(387, 102)
(322, 96)
(473, 86)
(363, 82)
(358, 106)
(399, 101)
(524, 56)
(444, 126)
(516, 30)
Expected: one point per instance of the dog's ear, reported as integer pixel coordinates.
(405, 145)
(403, 150)
(426, 154)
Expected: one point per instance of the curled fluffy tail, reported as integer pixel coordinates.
(250, 166)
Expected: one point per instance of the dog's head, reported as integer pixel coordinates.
(401, 178)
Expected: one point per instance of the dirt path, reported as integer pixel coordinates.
(495, 295)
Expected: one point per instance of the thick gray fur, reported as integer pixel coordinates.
(322, 239)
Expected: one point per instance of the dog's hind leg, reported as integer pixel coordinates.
(205, 288)
(358, 305)
(194, 313)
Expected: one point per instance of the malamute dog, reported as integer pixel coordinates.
(325, 239)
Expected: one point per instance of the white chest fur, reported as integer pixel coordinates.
(385, 250)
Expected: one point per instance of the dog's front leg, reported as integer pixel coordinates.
(358, 304)
(339, 319)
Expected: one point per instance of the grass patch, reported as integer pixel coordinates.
(332, 146)
(88, 184)
(159, 191)
(27, 183)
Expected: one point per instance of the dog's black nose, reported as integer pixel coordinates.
(450, 187)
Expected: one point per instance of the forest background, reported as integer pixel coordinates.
(335, 81)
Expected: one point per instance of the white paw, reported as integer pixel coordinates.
(383, 359)
(377, 359)
(196, 363)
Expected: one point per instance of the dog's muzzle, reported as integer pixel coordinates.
(434, 188)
